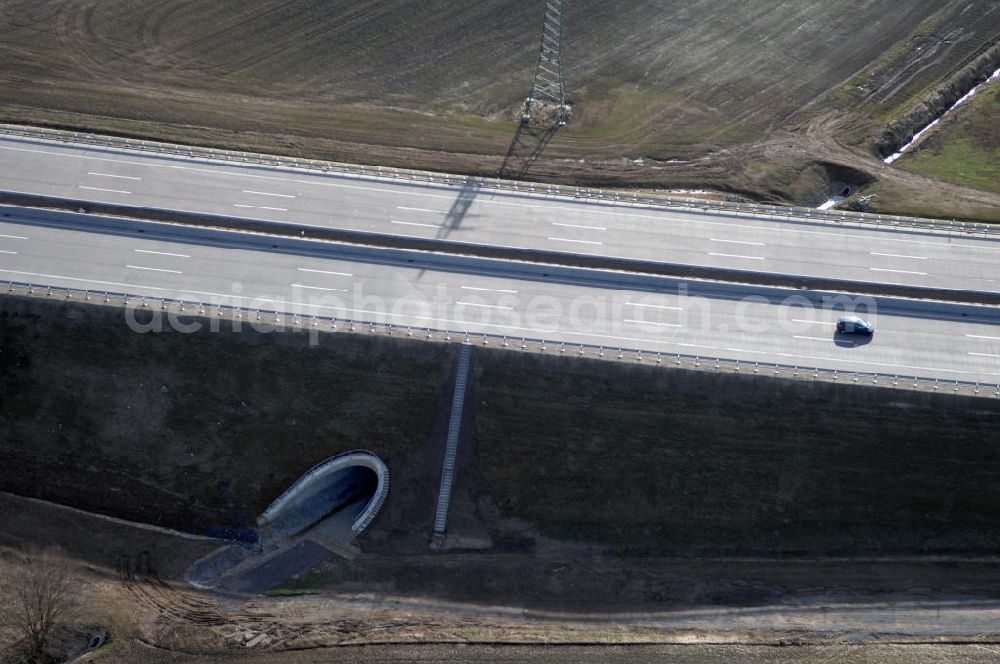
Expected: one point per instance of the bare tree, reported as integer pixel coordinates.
(41, 597)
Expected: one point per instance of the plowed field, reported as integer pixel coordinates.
(713, 93)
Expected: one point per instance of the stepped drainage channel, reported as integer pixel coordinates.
(920, 134)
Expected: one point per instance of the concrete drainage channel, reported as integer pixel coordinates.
(318, 516)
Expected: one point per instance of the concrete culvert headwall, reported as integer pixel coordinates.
(349, 488)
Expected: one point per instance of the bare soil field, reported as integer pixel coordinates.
(760, 99)
(676, 654)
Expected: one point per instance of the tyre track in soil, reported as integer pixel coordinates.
(177, 607)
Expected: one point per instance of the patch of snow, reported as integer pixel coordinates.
(916, 137)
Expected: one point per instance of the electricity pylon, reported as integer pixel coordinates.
(545, 109)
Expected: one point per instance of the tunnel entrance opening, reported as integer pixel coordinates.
(319, 515)
(340, 497)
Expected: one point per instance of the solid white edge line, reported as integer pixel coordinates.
(160, 253)
(648, 322)
(265, 193)
(752, 258)
(592, 228)
(152, 269)
(918, 258)
(491, 290)
(756, 244)
(320, 288)
(112, 191)
(339, 274)
(413, 223)
(653, 306)
(563, 239)
(109, 175)
(882, 269)
(484, 306)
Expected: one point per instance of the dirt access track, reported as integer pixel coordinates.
(770, 100)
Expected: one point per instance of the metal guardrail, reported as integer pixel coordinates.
(600, 196)
(710, 363)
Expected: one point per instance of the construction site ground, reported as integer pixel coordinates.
(153, 616)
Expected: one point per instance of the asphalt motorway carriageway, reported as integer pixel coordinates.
(465, 294)
(483, 216)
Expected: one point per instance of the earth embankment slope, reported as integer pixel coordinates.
(194, 431)
(698, 91)
(200, 430)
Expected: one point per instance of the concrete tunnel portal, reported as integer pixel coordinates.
(342, 495)
(321, 512)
